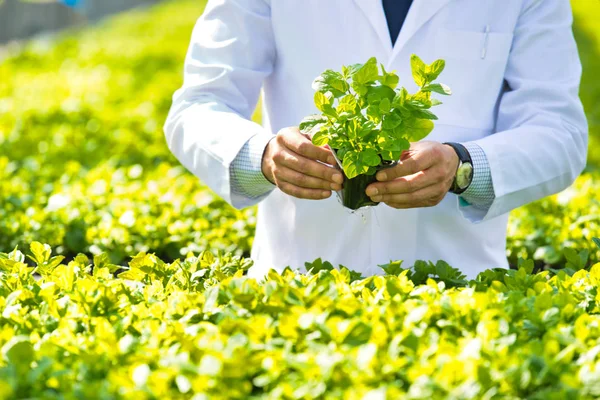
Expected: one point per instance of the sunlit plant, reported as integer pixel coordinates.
(368, 120)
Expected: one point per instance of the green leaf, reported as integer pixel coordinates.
(400, 98)
(418, 129)
(318, 128)
(373, 99)
(353, 68)
(418, 70)
(438, 88)
(321, 101)
(420, 100)
(360, 89)
(425, 114)
(336, 141)
(347, 104)
(527, 265)
(331, 81)
(41, 252)
(321, 138)
(391, 121)
(345, 116)
(381, 92)
(19, 351)
(341, 152)
(329, 111)
(575, 260)
(385, 105)
(50, 265)
(309, 122)
(435, 69)
(359, 334)
(389, 79)
(368, 73)
(374, 113)
(392, 268)
(318, 265)
(16, 255)
(394, 144)
(451, 276)
(351, 129)
(366, 128)
(369, 157)
(350, 164)
(346, 72)
(388, 155)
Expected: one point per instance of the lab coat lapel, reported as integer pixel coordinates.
(373, 10)
(420, 12)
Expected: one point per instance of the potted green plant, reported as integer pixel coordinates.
(368, 121)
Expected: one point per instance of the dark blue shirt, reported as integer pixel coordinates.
(395, 14)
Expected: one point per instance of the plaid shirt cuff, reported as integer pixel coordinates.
(480, 194)
(245, 174)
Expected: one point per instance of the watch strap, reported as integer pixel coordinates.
(461, 151)
(463, 157)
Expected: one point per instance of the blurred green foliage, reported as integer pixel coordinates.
(84, 163)
(587, 33)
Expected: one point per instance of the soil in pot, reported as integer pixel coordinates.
(354, 194)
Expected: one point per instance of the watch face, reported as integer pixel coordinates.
(464, 175)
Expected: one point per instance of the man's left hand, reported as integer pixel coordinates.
(422, 177)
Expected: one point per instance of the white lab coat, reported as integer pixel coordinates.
(515, 94)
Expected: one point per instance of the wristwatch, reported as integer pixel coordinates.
(464, 173)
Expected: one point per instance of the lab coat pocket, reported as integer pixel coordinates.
(475, 66)
(485, 46)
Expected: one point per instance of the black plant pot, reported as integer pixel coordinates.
(354, 194)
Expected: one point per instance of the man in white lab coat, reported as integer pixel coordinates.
(514, 117)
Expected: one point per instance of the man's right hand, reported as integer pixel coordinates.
(290, 161)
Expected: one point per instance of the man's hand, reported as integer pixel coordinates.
(421, 179)
(290, 161)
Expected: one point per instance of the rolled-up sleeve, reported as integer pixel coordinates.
(479, 196)
(248, 184)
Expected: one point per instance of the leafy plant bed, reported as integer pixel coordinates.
(74, 139)
(199, 328)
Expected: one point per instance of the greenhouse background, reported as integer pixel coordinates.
(22, 18)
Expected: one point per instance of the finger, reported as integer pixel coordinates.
(307, 166)
(409, 166)
(408, 184)
(303, 193)
(426, 197)
(405, 184)
(415, 162)
(302, 145)
(406, 154)
(305, 181)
